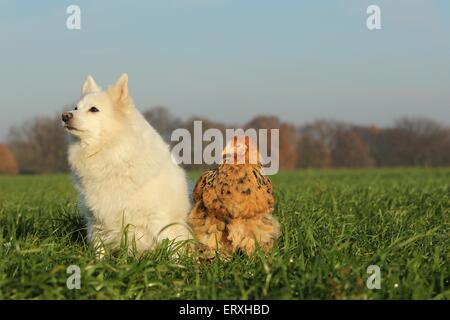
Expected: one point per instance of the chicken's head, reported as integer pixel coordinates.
(241, 150)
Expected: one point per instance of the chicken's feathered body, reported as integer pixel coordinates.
(233, 209)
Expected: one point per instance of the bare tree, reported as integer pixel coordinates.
(412, 142)
(163, 121)
(288, 138)
(312, 153)
(372, 136)
(39, 145)
(324, 130)
(420, 142)
(8, 163)
(350, 150)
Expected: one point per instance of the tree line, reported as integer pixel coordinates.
(39, 145)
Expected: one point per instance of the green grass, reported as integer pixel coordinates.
(335, 224)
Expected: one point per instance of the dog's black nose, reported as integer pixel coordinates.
(66, 116)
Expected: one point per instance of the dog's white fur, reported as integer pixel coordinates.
(124, 172)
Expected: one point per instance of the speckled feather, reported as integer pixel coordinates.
(233, 209)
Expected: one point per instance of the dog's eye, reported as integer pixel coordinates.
(76, 108)
(93, 109)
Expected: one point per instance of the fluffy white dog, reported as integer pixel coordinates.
(124, 172)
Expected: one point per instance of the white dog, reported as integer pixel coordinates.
(124, 172)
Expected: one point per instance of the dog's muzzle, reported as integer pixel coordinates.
(66, 116)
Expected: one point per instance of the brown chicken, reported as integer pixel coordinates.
(234, 203)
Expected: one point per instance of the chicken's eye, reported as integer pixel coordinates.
(93, 109)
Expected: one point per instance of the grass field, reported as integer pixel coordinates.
(335, 224)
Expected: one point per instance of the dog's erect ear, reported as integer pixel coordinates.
(90, 86)
(120, 89)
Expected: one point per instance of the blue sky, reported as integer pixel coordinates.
(230, 60)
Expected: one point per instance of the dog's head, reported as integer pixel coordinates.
(99, 113)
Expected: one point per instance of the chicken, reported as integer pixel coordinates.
(234, 203)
